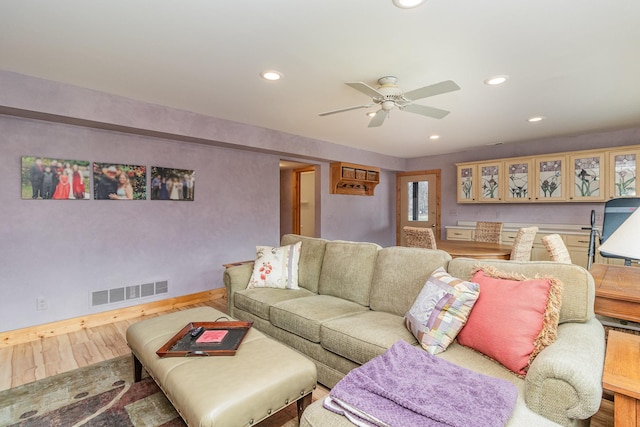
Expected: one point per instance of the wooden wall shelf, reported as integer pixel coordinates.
(350, 178)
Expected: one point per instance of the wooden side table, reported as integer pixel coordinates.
(622, 377)
(617, 291)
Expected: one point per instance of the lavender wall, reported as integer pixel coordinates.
(64, 250)
(551, 213)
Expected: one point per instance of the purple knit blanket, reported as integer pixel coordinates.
(406, 386)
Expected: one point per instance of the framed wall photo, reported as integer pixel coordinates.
(113, 181)
(172, 184)
(54, 178)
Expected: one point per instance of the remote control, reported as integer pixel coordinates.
(196, 331)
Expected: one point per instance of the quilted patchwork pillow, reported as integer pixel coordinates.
(276, 267)
(441, 310)
(514, 318)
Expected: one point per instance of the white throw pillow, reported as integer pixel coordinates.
(276, 267)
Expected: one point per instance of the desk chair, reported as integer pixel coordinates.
(523, 243)
(419, 237)
(490, 232)
(556, 248)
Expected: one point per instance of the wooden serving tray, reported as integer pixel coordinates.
(184, 345)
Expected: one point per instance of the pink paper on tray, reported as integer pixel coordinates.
(212, 336)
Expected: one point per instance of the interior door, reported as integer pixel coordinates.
(417, 202)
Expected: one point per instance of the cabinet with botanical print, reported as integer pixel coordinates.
(622, 173)
(467, 183)
(519, 176)
(587, 170)
(491, 186)
(550, 178)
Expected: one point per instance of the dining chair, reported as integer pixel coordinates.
(490, 232)
(419, 237)
(523, 244)
(556, 248)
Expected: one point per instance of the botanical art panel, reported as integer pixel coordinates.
(56, 179)
(113, 181)
(172, 184)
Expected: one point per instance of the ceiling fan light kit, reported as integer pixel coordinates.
(389, 96)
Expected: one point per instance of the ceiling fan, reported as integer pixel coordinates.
(388, 96)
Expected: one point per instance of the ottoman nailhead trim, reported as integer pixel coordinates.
(286, 402)
(269, 412)
(251, 421)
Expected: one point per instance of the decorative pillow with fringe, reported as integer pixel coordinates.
(514, 318)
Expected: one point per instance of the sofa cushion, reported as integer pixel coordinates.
(514, 317)
(311, 256)
(578, 293)
(441, 310)
(259, 300)
(399, 267)
(362, 336)
(276, 267)
(303, 316)
(347, 270)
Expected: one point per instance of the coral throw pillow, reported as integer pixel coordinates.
(440, 311)
(276, 267)
(514, 317)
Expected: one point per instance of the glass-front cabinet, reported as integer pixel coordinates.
(491, 186)
(519, 176)
(467, 183)
(550, 178)
(622, 173)
(574, 176)
(587, 170)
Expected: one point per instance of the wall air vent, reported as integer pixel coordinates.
(115, 295)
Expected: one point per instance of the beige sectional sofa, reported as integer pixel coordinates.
(350, 308)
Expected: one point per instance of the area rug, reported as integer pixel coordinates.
(100, 395)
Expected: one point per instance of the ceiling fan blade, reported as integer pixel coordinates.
(342, 110)
(378, 119)
(432, 90)
(436, 113)
(366, 89)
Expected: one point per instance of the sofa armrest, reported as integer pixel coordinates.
(236, 278)
(566, 377)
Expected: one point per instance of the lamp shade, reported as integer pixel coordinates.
(625, 240)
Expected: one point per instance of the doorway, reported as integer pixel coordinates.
(304, 206)
(299, 198)
(417, 202)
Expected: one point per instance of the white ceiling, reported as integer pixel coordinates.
(575, 62)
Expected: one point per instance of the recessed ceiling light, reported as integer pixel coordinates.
(496, 80)
(535, 119)
(408, 4)
(434, 137)
(371, 114)
(271, 75)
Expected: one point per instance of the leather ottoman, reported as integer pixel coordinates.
(263, 377)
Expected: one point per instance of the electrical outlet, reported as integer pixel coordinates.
(41, 303)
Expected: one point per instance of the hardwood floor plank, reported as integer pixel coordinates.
(22, 364)
(6, 373)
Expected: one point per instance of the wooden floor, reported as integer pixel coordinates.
(25, 363)
(35, 360)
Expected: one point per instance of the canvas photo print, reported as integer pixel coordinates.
(172, 184)
(113, 181)
(47, 178)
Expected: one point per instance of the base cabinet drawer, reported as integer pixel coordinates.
(457, 234)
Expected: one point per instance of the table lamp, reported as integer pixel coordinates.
(623, 243)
